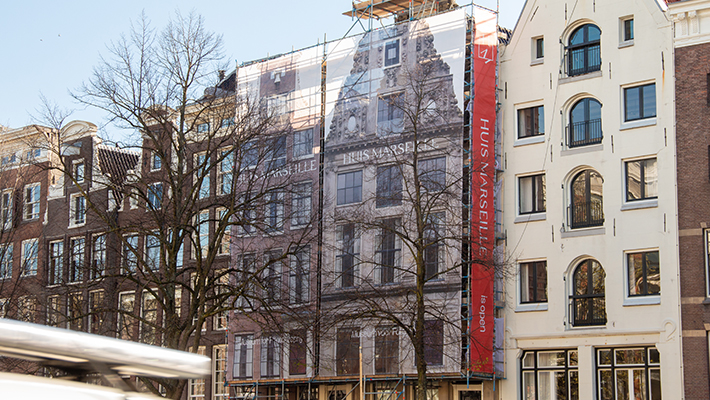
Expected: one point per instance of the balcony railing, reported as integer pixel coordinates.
(586, 214)
(583, 60)
(585, 133)
(588, 310)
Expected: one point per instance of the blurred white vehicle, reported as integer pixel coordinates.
(83, 354)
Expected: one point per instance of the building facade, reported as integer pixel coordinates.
(588, 122)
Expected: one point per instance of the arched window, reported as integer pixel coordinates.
(586, 207)
(585, 123)
(583, 54)
(588, 302)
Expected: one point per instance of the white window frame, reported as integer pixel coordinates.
(126, 316)
(76, 273)
(635, 300)
(202, 233)
(196, 387)
(623, 41)
(6, 208)
(305, 276)
(219, 374)
(154, 196)
(640, 122)
(6, 250)
(302, 148)
(245, 339)
(529, 306)
(202, 167)
(129, 254)
(96, 317)
(77, 215)
(225, 172)
(78, 170)
(28, 266)
(152, 244)
(98, 255)
(274, 210)
(32, 205)
(535, 58)
(156, 163)
(532, 215)
(645, 202)
(56, 262)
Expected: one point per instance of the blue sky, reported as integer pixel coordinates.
(50, 47)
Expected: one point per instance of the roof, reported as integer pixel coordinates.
(115, 162)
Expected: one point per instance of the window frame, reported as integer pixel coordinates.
(347, 238)
(624, 24)
(645, 270)
(435, 246)
(127, 320)
(587, 216)
(641, 181)
(537, 50)
(32, 203)
(77, 210)
(392, 61)
(641, 103)
(301, 203)
(433, 338)
(390, 113)
(77, 259)
(299, 276)
(570, 367)
(303, 147)
(154, 196)
(591, 129)
(389, 248)
(613, 366)
(537, 119)
(432, 178)
(298, 352)
(78, 171)
(386, 350)
(225, 172)
(202, 171)
(586, 48)
(55, 264)
(355, 190)
(31, 262)
(243, 356)
(152, 251)
(96, 318)
(156, 163)
(98, 255)
(347, 350)
(388, 190)
(538, 193)
(129, 254)
(6, 208)
(535, 284)
(274, 210)
(276, 153)
(270, 357)
(6, 257)
(588, 297)
(219, 372)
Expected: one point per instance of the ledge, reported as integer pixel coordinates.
(635, 205)
(528, 307)
(537, 61)
(583, 232)
(581, 150)
(627, 43)
(529, 140)
(520, 219)
(637, 124)
(642, 301)
(591, 75)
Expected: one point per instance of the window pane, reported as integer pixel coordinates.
(649, 101)
(632, 99)
(551, 358)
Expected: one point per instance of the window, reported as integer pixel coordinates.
(531, 122)
(550, 374)
(640, 102)
(152, 251)
(303, 143)
(6, 208)
(297, 352)
(33, 154)
(126, 320)
(197, 386)
(53, 311)
(586, 194)
(299, 276)
(270, 357)
(346, 260)
(272, 276)
(203, 128)
(79, 172)
(156, 162)
(583, 52)
(644, 273)
(628, 373)
(301, 204)
(98, 262)
(432, 174)
(274, 215)
(532, 194)
(225, 221)
(78, 210)
(219, 372)
(227, 122)
(243, 356)
(155, 196)
(8, 160)
(588, 302)
(6, 260)
(248, 222)
(130, 254)
(56, 262)
(389, 186)
(97, 315)
(538, 48)
(390, 116)
(245, 281)
(27, 309)
(392, 53)
(149, 318)
(585, 126)
(29, 257)
(76, 259)
(32, 201)
(219, 321)
(202, 232)
(641, 179)
(250, 154)
(348, 352)
(388, 251)
(433, 246)
(627, 29)
(225, 173)
(202, 175)
(275, 153)
(533, 282)
(349, 187)
(434, 342)
(386, 350)
(75, 312)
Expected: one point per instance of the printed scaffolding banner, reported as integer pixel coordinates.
(482, 190)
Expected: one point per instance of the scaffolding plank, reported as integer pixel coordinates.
(381, 8)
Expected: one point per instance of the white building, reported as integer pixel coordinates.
(589, 154)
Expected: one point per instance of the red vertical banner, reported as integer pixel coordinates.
(483, 124)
